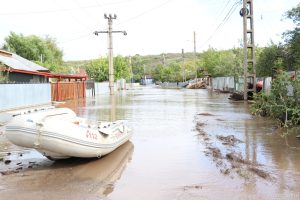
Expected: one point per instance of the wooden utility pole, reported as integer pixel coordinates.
(110, 49)
(249, 48)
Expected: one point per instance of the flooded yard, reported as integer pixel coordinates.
(186, 144)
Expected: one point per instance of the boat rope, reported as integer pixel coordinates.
(37, 142)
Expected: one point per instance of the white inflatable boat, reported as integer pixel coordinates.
(58, 134)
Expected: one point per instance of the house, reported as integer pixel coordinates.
(15, 69)
(21, 70)
(146, 80)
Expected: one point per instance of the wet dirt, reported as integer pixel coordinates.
(228, 158)
(186, 144)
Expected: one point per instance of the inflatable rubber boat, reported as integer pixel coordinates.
(58, 134)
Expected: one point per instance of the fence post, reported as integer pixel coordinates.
(57, 91)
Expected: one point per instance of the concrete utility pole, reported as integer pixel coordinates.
(183, 67)
(164, 59)
(110, 49)
(131, 74)
(249, 47)
(195, 55)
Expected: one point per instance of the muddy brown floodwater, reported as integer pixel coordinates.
(187, 144)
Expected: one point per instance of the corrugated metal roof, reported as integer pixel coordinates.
(17, 62)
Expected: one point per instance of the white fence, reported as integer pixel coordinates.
(23, 95)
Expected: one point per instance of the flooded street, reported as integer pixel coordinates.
(180, 149)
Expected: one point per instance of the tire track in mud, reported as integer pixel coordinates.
(227, 156)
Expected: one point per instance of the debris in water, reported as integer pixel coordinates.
(235, 157)
(236, 96)
(225, 171)
(8, 172)
(205, 114)
(259, 172)
(200, 124)
(198, 85)
(187, 187)
(229, 140)
(7, 162)
(215, 152)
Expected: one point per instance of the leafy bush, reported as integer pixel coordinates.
(280, 104)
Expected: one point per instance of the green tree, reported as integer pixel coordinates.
(269, 60)
(157, 72)
(137, 67)
(98, 69)
(292, 39)
(121, 67)
(34, 48)
(222, 63)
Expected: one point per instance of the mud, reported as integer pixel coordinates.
(206, 114)
(228, 140)
(232, 162)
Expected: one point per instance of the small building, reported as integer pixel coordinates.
(21, 70)
(146, 80)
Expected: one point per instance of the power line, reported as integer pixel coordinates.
(64, 9)
(130, 19)
(224, 8)
(145, 12)
(85, 12)
(77, 38)
(73, 17)
(223, 22)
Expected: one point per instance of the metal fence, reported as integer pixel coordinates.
(96, 88)
(231, 84)
(14, 96)
(226, 84)
(61, 91)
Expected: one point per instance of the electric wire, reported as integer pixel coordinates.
(223, 22)
(123, 22)
(64, 9)
(73, 17)
(144, 13)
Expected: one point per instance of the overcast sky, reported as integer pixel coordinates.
(153, 26)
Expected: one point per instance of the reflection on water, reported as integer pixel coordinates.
(72, 178)
(103, 173)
